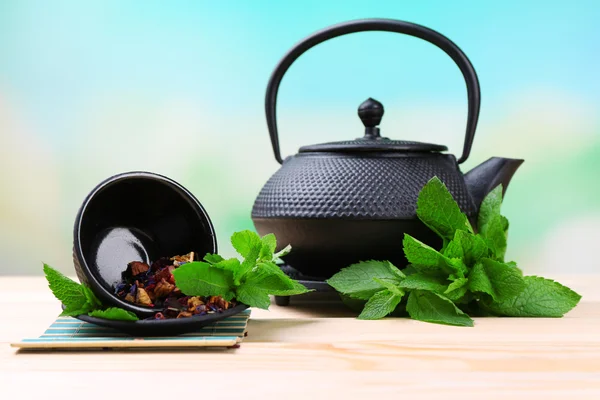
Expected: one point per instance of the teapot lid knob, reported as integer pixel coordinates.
(370, 113)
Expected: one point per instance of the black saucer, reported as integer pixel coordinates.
(318, 284)
(165, 327)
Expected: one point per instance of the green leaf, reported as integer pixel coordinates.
(91, 298)
(437, 209)
(357, 281)
(247, 243)
(432, 307)
(245, 267)
(466, 246)
(427, 260)
(70, 293)
(540, 298)
(457, 284)
(270, 278)
(495, 235)
(73, 312)
(213, 258)
(390, 286)
(499, 280)
(454, 248)
(269, 243)
(253, 296)
(284, 252)
(490, 207)
(200, 279)
(114, 313)
(457, 290)
(381, 304)
(231, 264)
(409, 270)
(423, 282)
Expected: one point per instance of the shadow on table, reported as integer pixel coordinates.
(320, 305)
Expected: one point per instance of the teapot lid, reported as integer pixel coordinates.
(370, 113)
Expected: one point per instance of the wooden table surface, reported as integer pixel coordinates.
(316, 348)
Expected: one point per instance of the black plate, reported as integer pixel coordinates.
(165, 327)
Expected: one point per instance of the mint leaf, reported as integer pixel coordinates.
(390, 286)
(231, 264)
(245, 267)
(70, 293)
(73, 312)
(457, 290)
(499, 280)
(270, 278)
(454, 248)
(468, 247)
(427, 260)
(432, 307)
(495, 234)
(213, 258)
(114, 313)
(381, 304)
(423, 282)
(437, 209)
(91, 298)
(357, 281)
(200, 279)
(253, 296)
(490, 207)
(284, 252)
(457, 284)
(297, 288)
(247, 243)
(540, 298)
(269, 243)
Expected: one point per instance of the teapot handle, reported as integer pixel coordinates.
(376, 24)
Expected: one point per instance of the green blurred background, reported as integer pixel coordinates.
(90, 89)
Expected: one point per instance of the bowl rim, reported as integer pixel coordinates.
(97, 287)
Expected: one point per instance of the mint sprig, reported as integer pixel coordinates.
(468, 273)
(250, 281)
(79, 299)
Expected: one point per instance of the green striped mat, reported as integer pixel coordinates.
(71, 333)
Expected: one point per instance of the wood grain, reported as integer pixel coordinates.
(318, 349)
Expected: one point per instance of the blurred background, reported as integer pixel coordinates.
(91, 89)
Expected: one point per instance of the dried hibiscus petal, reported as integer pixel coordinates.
(161, 263)
(155, 287)
(138, 267)
(163, 288)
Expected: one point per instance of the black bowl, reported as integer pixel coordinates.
(165, 327)
(136, 216)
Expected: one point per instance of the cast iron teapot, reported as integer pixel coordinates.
(342, 202)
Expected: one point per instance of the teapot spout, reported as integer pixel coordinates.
(486, 176)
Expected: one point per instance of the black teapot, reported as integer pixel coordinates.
(342, 202)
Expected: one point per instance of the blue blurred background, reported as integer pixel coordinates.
(90, 89)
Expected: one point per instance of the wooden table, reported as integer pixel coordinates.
(316, 349)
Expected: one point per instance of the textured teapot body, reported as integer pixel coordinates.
(360, 186)
(338, 209)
